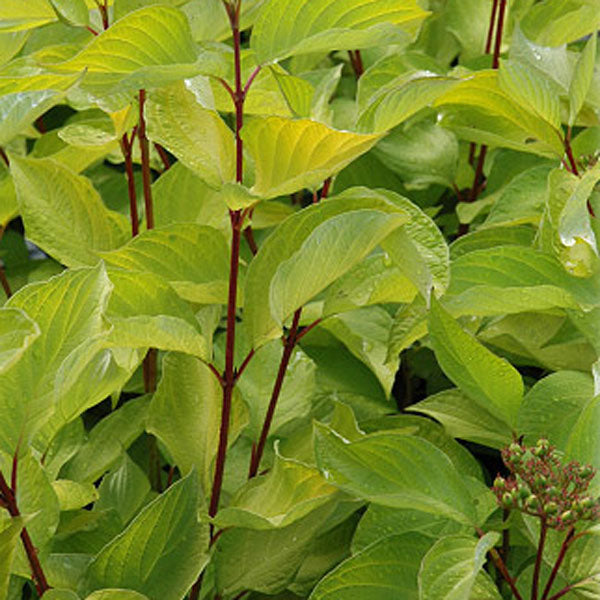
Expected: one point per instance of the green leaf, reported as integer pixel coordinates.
(63, 213)
(422, 154)
(73, 495)
(107, 440)
(531, 89)
(174, 252)
(16, 16)
(327, 253)
(365, 332)
(479, 110)
(419, 248)
(185, 413)
(410, 324)
(375, 280)
(582, 78)
(181, 196)
(146, 312)
(491, 382)
(512, 279)
(310, 151)
(464, 419)
(161, 552)
(60, 594)
(124, 489)
(290, 491)
(19, 110)
(72, 12)
(152, 36)
(9, 538)
(396, 102)
(287, 27)
(37, 501)
(116, 595)
(553, 405)
(388, 568)
(450, 567)
(197, 136)
(556, 22)
(17, 333)
(68, 310)
(240, 567)
(469, 21)
(394, 469)
(285, 244)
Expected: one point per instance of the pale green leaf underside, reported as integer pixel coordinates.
(63, 213)
(489, 380)
(395, 469)
(582, 78)
(293, 154)
(286, 27)
(330, 250)
(9, 538)
(193, 258)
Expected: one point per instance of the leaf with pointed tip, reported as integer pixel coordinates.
(68, 310)
(161, 552)
(513, 279)
(310, 152)
(490, 381)
(290, 491)
(194, 259)
(395, 469)
(464, 419)
(479, 105)
(285, 243)
(450, 567)
(531, 89)
(582, 78)
(73, 495)
(185, 413)
(9, 538)
(194, 134)
(19, 110)
(388, 568)
(72, 12)
(557, 22)
(152, 36)
(410, 324)
(17, 333)
(63, 213)
(16, 16)
(107, 440)
(327, 253)
(395, 103)
(113, 594)
(287, 27)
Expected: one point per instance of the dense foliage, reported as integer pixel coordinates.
(281, 280)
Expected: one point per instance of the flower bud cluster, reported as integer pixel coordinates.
(542, 486)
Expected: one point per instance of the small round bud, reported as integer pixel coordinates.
(532, 502)
(567, 517)
(523, 492)
(551, 508)
(500, 483)
(515, 449)
(540, 481)
(507, 500)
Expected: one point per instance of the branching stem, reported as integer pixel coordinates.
(559, 560)
(538, 560)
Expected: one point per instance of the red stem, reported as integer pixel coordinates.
(244, 364)
(163, 156)
(146, 175)
(499, 31)
(288, 348)
(4, 157)
(538, 561)
(229, 375)
(126, 145)
(249, 236)
(357, 63)
(92, 31)
(488, 42)
(561, 556)
(9, 500)
(504, 572)
(310, 327)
